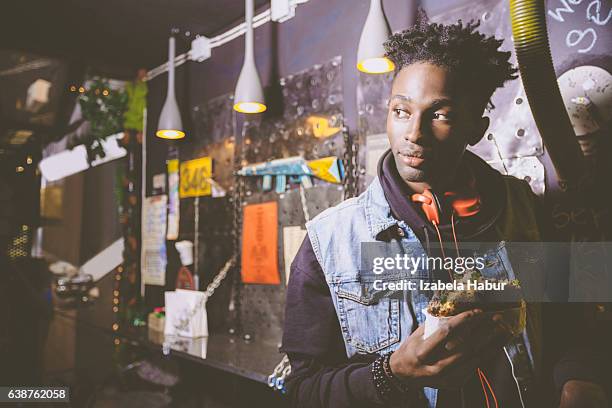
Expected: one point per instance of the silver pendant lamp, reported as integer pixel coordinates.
(170, 125)
(249, 95)
(371, 52)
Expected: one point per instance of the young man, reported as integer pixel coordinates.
(349, 350)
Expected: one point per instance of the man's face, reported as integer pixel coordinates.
(429, 125)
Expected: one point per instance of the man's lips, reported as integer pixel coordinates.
(412, 159)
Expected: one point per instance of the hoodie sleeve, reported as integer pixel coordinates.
(321, 374)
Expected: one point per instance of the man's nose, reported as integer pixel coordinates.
(415, 131)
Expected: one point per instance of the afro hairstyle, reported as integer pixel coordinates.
(465, 52)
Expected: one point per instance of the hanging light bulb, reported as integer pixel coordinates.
(170, 125)
(249, 96)
(371, 52)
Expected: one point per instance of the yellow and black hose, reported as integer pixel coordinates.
(540, 83)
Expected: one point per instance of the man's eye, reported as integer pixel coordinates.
(401, 114)
(441, 116)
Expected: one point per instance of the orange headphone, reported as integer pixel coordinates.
(462, 206)
(465, 203)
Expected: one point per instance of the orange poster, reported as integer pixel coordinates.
(260, 244)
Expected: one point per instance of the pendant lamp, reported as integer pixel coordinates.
(249, 96)
(371, 52)
(170, 125)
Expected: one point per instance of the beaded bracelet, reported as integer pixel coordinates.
(381, 380)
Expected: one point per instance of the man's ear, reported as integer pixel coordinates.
(480, 128)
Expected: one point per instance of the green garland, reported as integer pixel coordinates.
(103, 108)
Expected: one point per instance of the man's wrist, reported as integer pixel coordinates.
(395, 365)
(395, 380)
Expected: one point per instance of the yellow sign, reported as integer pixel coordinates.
(320, 127)
(195, 177)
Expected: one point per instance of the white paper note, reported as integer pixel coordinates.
(173, 200)
(292, 240)
(154, 240)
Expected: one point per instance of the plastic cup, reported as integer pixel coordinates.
(185, 250)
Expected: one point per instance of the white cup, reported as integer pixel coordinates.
(185, 250)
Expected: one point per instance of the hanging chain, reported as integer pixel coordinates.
(346, 162)
(212, 286)
(183, 321)
(236, 229)
(237, 195)
(276, 380)
(355, 167)
(351, 169)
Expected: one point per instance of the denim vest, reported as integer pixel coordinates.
(378, 325)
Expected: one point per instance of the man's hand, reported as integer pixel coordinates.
(582, 394)
(449, 356)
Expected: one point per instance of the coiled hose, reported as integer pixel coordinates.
(540, 83)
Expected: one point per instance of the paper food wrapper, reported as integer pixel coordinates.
(515, 320)
(432, 323)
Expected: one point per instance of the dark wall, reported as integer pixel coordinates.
(320, 30)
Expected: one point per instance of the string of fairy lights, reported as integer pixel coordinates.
(116, 301)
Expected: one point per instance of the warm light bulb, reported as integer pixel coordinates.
(170, 134)
(379, 65)
(250, 107)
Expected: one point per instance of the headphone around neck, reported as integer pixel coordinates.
(464, 203)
